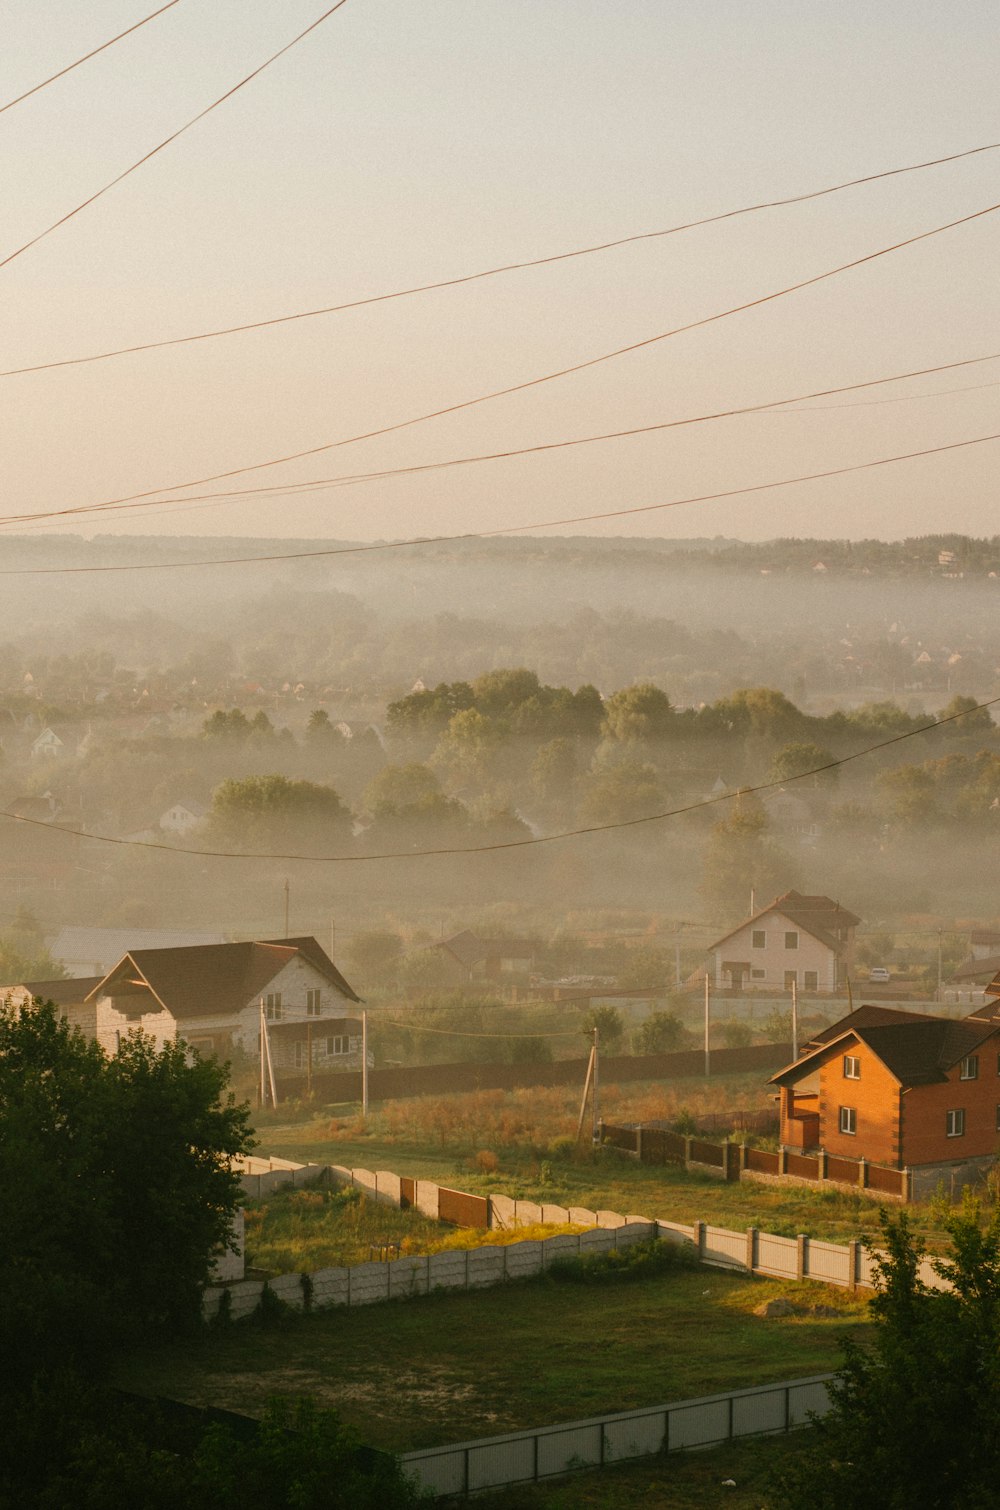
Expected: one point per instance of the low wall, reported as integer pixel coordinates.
(522, 1457)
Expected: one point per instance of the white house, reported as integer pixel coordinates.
(808, 940)
(211, 996)
(182, 817)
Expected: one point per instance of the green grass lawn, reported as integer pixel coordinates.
(608, 1181)
(679, 1481)
(448, 1367)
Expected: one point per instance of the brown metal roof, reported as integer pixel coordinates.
(816, 915)
(65, 993)
(206, 979)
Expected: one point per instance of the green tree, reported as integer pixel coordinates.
(661, 1033)
(916, 1411)
(975, 723)
(740, 855)
(642, 712)
(615, 793)
(374, 955)
(115, 1185)
(610, 1025)
(253, 812)
(795, 760)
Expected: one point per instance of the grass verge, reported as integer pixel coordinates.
(453, 1366)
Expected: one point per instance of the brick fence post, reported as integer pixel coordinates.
(852, 1259)
(863, 1173)
(751, 1259)
(638, 1144)
(907, 1185)
(801, 1250)
(698, 1233)
(821, 1161)
(782, 1160)
(687, 1151)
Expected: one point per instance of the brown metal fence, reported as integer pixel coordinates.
(621, 1137)
(803, 1167)
(463, 1209)
(713, 1154)
(844, 1170)
(659, 1146)
(889, 1181)
(763, 1161)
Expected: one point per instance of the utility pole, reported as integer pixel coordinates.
(597, 1114)
(364, 1062)
(677, 964)
(708, 1069)
(586, 1092)
(795, 1017)
(287, 890)
(333, 938)
(938, 996)
(309, 1058)
(261, 1089)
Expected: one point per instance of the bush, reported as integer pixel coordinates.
(486, 1161)
(639, 1261)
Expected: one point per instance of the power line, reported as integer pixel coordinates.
(491, 272)
(292, 489)
(528, 383)
(506, 844)
(511, 529)
(168, 140)
(87, 57)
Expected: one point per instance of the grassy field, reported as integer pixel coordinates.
(448, 1367)
(605, 1180)
(681, 1481)
(298, 1230)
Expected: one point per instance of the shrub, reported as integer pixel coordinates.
(486, 1161)
(639, 1261)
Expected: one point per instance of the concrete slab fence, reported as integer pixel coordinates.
(524, 1457)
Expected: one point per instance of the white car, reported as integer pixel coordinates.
(878, 975)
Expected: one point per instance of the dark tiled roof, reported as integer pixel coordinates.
(865, 1017)
(65, 993)
(219, 978)
(469, 949)
(916, 1051)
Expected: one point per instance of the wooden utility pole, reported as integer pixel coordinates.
(795, 1017)
(597, 1110)
(287, 890)
(586, 1093)
(309, 1058)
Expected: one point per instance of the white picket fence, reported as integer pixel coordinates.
(543, 1452)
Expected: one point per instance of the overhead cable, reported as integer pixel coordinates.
(168, 140)
(291, 488)
(492, 272)
(505, 844)
(510, 529)
(274, 461)
(87, 56)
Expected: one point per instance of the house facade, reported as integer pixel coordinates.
(896, 1088)
(212, 996)
(797, 939)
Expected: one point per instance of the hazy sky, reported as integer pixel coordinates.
(405, 142)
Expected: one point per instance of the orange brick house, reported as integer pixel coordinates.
(897, 1088)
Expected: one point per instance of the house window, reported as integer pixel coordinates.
(852, 1067)
(811, 979)
(272, 1006)
(760, 974)
(970, 1068)
(312, 1002)
(849, 1120)
(791, 941)
(759, 938)
(955, 1124)
(791, 979)
(338, 1045)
